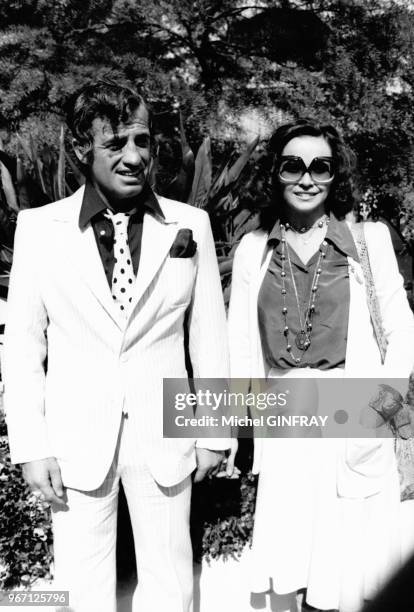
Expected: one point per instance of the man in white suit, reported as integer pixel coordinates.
(103, 285)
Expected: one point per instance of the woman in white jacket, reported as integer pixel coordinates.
(327, 511)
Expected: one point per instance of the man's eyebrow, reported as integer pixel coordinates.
(117, 138)
(112, 139)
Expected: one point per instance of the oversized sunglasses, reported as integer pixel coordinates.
(292, 169)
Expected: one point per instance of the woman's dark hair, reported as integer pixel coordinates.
(341, 196)
(104, 99)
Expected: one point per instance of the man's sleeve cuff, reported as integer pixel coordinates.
(215, 444)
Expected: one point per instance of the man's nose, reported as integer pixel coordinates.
(131, 155)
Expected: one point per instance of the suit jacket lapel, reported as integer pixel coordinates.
(157, 237)
(359, 362)
(82, 251)
(262, 255)
(89, 263)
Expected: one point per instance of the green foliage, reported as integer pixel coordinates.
(227, 536)
(350, 63)
(223, 512)
(25, 526)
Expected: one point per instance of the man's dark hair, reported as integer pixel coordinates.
(341, 198)
(104, 100)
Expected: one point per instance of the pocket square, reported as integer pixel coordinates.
(183, 245)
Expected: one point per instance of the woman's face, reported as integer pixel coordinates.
(305, 196)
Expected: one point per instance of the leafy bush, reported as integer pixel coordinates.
(221, 522)
(25, 526)
(227, 536)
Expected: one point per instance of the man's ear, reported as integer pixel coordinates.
(82, 150)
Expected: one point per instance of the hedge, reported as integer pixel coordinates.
(221, 520)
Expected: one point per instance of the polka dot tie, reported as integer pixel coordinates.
(123, 277)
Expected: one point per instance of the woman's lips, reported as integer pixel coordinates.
(304, 195)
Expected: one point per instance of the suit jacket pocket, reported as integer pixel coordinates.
(178, 278)
(363, 466)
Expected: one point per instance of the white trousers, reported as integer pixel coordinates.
(85, 539)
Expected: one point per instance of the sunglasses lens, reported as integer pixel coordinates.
(291, 170)
(321, 170)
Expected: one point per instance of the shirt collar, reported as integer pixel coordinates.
(338, 234)
(93, 204)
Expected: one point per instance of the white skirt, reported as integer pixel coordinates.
(306, 536)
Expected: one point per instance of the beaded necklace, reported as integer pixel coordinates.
(309, 230)
(304, 336)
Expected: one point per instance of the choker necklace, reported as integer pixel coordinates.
(306, 228)
(304, 336)
(305, 234)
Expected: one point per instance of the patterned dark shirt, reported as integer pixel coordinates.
(92, 211)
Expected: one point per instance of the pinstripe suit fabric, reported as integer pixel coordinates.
(85, 538)
(98, 363)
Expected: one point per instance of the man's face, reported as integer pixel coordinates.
(121, 159)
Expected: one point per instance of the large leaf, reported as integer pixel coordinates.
(8, 161)
(49, 172)
(36, 189)
(226, 295)
(225, 265)
(79, 177)
(68, 188)
(220, 181)
(230, 174)
(153, 170)
(236, 169)
(7, 226)
(245, 221)
(225, 203)
(22, 185)
(25, 147)
(61, 192)
(6, 255)
(37, 164)
(8, 188)
(181, 185)
(188, 155)
(202, 175)
(6, 260)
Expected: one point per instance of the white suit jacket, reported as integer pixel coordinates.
(61, 309)
(362, 355)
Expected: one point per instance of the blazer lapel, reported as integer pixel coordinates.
(90, 266)
(261, 257)
(82, 251)
(157, 237)
(359, 362)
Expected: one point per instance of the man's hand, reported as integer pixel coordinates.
(228, 468)
(231, 469)
(44, 475)
(208, 462)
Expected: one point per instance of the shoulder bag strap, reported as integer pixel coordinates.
(358, 234)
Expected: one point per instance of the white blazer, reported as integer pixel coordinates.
(362, 355)
(61, 309)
